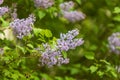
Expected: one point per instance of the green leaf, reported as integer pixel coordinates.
(116, 10)
(58, 78)
(41, 40)
(74, 71)
(93, 47)
(60, 1)
(78, 1)
(48, 33)
(41, 14)
(37, 31)
(36, 78)
(15, 76)
(21, 48)
(64, 54)
(18, 62)
(104, 61)
(77, 65)
(6, 48)
(100, 73)
(69, 78)
(117, 18)
(46, 77)
(113, 74)
(63, 20)
(52, 11)
(93, 68)
(30, 46)
(89, 55)
(6, 72)
(4, 23)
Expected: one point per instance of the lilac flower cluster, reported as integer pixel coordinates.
(43, 3)
(53, 56)
(66, 6)
(71, 16)
(68, 41)
(22, 27)
(3, 10)
(114, 42)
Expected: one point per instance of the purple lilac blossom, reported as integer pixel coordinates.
(53, 56)
(114, 42)
(1, 1)
(3, 10)
(70, 15)
(43, 3)
(66, 6)
(22, 27)
(68, 41)
(73, 16)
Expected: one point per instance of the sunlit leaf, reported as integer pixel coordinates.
(30, 45)
(117, 10)
(48, 33)
(93, 68)
(41, 14)
(89, 55)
